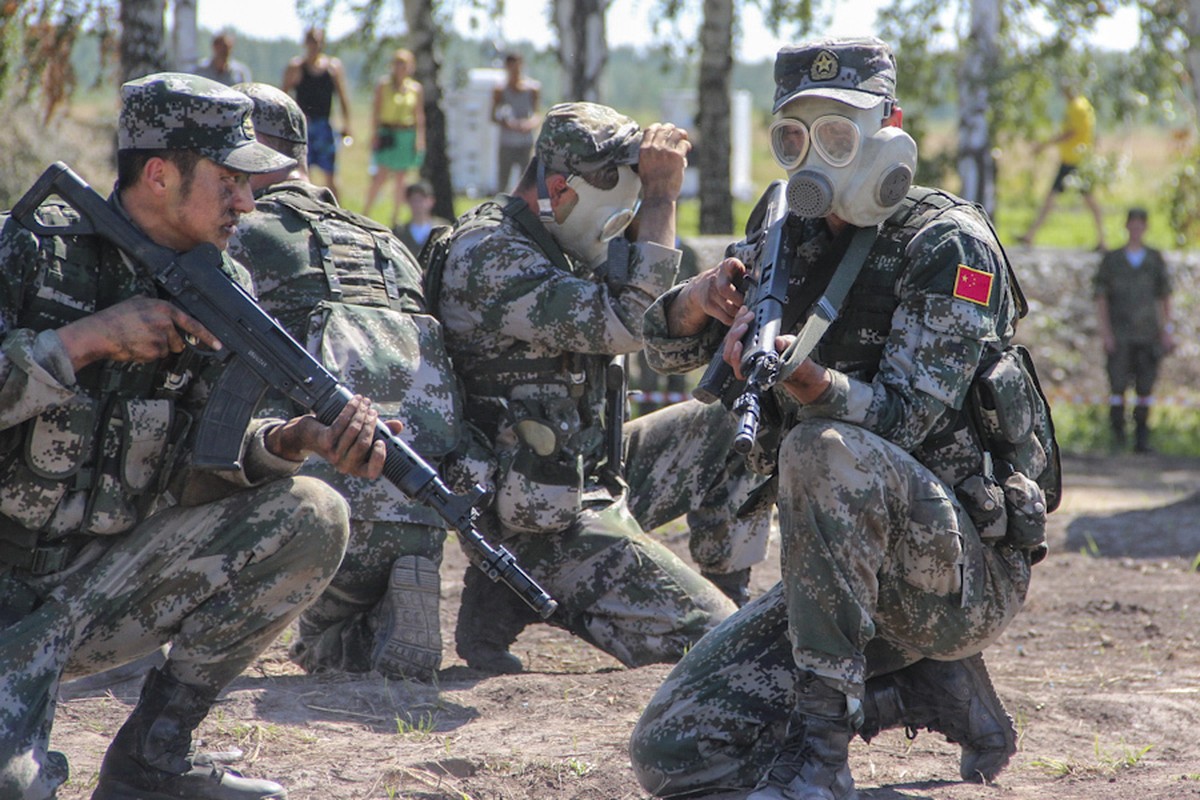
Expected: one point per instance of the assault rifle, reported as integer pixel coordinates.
(765, 290)
(261, 354)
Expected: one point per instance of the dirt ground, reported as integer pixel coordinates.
(1101, 671)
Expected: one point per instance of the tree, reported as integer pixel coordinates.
(582, 46)
(143, 32)
(424, 35)
(976, 165)
(713, 117)
(184, 52)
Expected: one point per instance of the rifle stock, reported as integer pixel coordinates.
(261, 354)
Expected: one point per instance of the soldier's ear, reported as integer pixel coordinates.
(562, 196)
(156, 174)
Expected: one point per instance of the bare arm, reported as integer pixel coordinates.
(291, 76)
(339, 83)
(1104, 324)
(661, 163)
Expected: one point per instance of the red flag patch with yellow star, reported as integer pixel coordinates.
(973, 285)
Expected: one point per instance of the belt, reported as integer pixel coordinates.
(20, 548)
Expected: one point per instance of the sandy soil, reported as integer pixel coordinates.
(1101, 672)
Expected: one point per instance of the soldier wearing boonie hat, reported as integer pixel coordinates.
(863, 634)
(86, 516)
(534, 306)
(178, 111)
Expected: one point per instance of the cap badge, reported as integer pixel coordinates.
(248, 127)
(824, 67)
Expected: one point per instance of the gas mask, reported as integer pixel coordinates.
(599, 216)
(835, 169)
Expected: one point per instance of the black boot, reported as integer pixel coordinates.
(735, 585)
(814, 763)
(954, 698)
(490, 619)
(1141, 433)
(148, 759)
(1116, 421)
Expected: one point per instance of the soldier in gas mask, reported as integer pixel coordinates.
(911, 510)
(538, 291)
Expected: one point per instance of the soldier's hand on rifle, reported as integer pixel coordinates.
(140, 329)
(713, 293)
(806, 384)
(348, 444)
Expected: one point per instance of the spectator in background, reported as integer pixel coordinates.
(1075, 142)
(421, 223)
(222, 67)
(1133, 308)
(312, 79)
(515, 110)
(398, 125)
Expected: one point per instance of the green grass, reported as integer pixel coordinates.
(1081, 429)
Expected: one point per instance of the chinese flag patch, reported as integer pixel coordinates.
(973, 285)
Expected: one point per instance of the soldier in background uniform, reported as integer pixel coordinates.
(894, 578)
(347, 288)
(538, 292)
(110, 545)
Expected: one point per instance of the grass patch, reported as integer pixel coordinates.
(1106, 762)
(1174, 430)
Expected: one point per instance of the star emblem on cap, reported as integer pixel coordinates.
(824, 67)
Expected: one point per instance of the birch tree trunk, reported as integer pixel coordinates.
(142, 36)
(976, 166)
(185, 53)
(582, 46)
(424, 38)
(713, 117)
(1192, 30)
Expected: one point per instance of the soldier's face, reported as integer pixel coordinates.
(207, 209)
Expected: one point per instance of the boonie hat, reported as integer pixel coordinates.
(579, 138)
(177, 111)
(275, 112)
(857, 71)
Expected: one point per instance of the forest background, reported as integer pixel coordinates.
(61, 61)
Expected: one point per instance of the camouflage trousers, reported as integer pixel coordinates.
(680, 461)
(218, 581)
(881, 567)
(623, 590)
(336, 631)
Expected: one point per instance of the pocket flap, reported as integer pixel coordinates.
(145, 438)
(60, 439)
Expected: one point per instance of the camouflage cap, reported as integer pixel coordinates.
(579, 138)
(858, 71)
(177, 111)
(275, 112)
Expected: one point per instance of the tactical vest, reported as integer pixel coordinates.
(998, 452)
(547, 449)
(97, 463)
(359, 310)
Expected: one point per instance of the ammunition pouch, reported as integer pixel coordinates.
(539, 484)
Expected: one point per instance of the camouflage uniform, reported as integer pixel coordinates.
(531, 341)
(344, 286)
(882, 564)
(109, 545)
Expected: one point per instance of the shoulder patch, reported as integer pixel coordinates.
(973, 285)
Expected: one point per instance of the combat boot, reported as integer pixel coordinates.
(814, 762)
(490, 619)
(408, 633)
(735, 585)
(954, 698)
(1116, 422)
(1141, 433)
(149, 757)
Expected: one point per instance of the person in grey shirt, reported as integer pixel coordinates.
(222, 67)
(515, 110)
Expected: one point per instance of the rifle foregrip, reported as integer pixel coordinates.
(226, 416)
